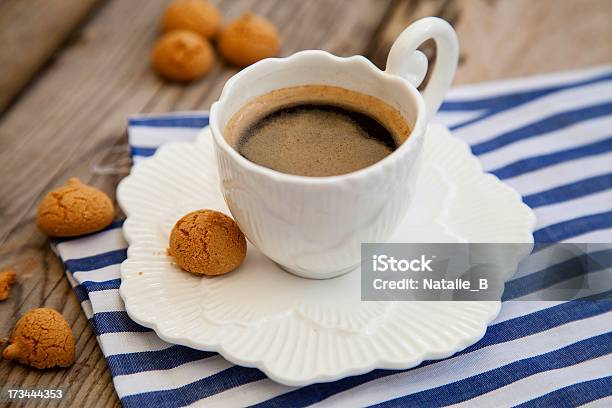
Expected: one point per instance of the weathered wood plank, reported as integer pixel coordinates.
(509, 39)
(501, 39)
(30, 33)
(74, 114)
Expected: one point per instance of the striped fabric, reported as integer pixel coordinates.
(550, 138)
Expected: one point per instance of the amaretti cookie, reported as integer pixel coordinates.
(182, 55)
(74, 209)
(248, 39)
(198, 16)
(207, 242)
(42, 338)
(7, 278)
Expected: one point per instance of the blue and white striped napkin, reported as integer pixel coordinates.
(549, 137)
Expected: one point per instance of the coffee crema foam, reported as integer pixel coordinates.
(316, 130)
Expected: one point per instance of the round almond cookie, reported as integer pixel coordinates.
(42, 338)
(207, 242)
(74, 209)
(198, 16)
(248, 39)
(182, 55)
(7, 278)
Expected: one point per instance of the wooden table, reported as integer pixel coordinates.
(72, 70)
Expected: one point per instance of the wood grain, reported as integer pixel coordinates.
(31, 32)
(503, 39)
(74, 116)
(518, 38)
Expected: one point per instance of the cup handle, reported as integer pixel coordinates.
(407, 62)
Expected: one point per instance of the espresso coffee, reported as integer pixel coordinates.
(316, 130)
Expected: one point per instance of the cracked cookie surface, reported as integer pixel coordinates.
(42, 338)
(207, 242)
(74, 209)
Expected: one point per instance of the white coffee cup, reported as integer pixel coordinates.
(314, 226)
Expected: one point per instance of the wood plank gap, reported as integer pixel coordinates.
(25, 77)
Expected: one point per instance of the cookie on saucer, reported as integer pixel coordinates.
(207, 242)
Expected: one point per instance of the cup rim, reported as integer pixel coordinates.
(416, 133)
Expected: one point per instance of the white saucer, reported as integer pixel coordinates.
(301, 331)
